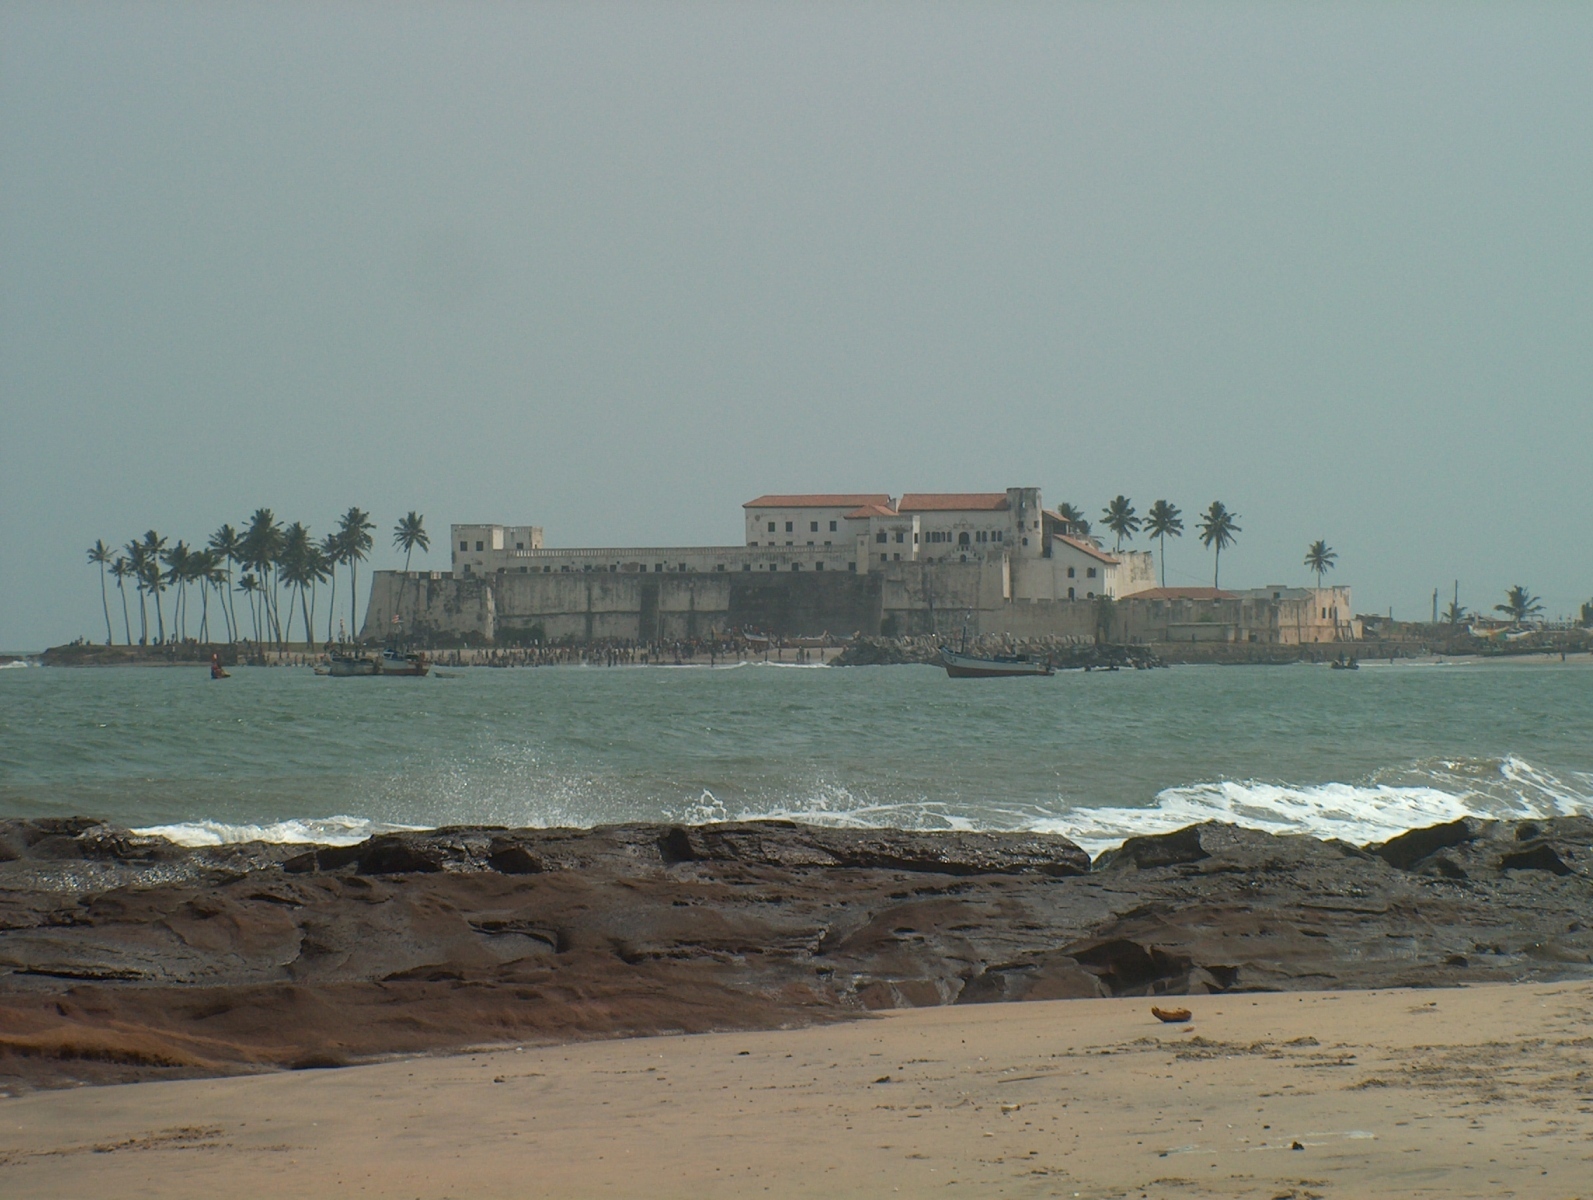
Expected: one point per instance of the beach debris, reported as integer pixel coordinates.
(1010, 1108)
(883, 1079)
(1296, 1146)
(1171, 1015)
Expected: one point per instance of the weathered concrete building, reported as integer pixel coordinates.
(837, 564)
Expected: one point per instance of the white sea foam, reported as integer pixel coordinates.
(1508, 788)
(321, 831)
(1425, 793)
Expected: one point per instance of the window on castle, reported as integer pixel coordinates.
(1089, 572)
(464, 545)
(478, 545)
(1071, 572)
(771, 526)
(813, 526)
(899, 538)
(788, 526)
(882, 537)
(832, 526)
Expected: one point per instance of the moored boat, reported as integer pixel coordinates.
(997, 666)
(388, 662)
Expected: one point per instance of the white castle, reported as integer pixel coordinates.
(1044, 556)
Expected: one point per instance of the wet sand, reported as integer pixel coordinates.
(1482, 1091)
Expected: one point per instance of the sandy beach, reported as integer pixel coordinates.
(1482, 1091)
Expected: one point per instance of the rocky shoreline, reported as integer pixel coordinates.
(125, 957)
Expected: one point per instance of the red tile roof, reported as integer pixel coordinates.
(953, 502)
(1085, 547)
(1181, 593)
(822, 500)
(871, 510)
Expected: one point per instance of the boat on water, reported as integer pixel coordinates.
(960, 665)
(1344, 664)
(388, 662)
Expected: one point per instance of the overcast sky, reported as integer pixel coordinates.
(615, 269)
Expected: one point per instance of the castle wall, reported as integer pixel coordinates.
(990, 597)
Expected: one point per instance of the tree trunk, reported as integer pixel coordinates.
(105, 603)
(127, 624)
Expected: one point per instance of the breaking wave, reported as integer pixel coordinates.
(1424, 793)
(320, 831)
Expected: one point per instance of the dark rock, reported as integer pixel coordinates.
(1159, 850)
(272, 955)
(1406, 850)
(1539, 857)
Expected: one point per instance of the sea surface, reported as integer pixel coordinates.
(285, 755)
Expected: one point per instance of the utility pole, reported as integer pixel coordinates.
(1435, 606)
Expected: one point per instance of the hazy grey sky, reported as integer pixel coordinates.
(614, 269)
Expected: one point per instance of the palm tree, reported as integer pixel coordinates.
(208, 574)
(1073, 516)
(1217, 530)
(408, 534)
(225, 544)
(250, 587)
(296, 571)
(154, 581)
(260, 550)
(354, 531)
(120, 570)
(1320, 557)
(331, 551)
(136, 555)
(100, 553)
(1118, 516)
(1455, 613)
(1520, 604)
(177, 574)
(1162, 522)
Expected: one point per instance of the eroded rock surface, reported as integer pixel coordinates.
(124, 956)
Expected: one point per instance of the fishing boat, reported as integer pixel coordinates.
(343, 665)
(997, 666)
(388, 662)
(395, 662)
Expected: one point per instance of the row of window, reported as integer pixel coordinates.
(482, 545)
(548, 569)
(813, 526)
(1089, 573)
(754, 544)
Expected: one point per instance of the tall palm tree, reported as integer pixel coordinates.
(354, 529)
(1218, 531)
(100, 553)
(1455, 613)
(209, 574)
(1320, 557)
(295, 571)
(154, 581)
(120, 570)
(1162, 522)
(261, 551)
(177, 574)
(408, 535)
(249, 585)
(1118, 516)
(225, 544)
(1520, 604)
(136, 554)
(331, 551)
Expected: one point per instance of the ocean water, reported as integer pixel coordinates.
(285, 755)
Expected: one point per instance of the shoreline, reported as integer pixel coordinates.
(124, 957)
(1472, 1092)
